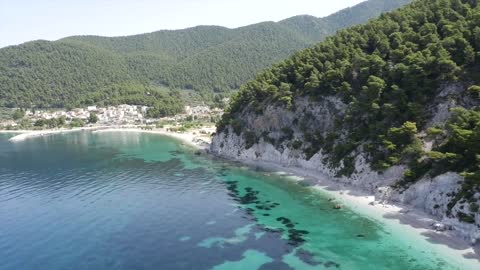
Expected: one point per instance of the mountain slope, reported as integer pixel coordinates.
(208, 58)
(319, 28)
(391, 106)
(43, 72)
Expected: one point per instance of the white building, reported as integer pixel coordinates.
(197, 110)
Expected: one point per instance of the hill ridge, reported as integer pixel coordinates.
(204, 58)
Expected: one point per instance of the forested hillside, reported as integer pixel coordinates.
(390, 85)
(206, 58)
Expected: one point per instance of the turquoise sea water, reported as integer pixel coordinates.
(143, 201)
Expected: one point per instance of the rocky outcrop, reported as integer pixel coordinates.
(433, 196)
(276, 145)
(450, 96)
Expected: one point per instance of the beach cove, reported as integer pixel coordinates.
(408, 229)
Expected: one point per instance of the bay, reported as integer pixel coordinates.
(142, 201)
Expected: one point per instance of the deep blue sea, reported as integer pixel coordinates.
(141, 201)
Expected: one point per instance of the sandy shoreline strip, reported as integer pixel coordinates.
(25, 134)
(192, 137)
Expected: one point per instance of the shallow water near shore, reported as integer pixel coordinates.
(140, 201)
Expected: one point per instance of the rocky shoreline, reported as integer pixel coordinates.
(418, 207)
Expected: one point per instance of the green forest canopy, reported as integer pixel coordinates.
(205, 58)
(388, 72)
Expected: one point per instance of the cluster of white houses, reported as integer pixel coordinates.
(114, 115)
(123, 114)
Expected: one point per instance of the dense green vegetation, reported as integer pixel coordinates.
(84, 69)
(18, 114)
(388, 71)
(60, 122)
(460, 151)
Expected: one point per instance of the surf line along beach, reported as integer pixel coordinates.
(191, 137)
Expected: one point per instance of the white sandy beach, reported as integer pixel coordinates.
(25, 134)
(192, 137)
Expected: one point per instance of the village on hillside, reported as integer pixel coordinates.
(114, 116)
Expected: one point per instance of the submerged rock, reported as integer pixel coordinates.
(307, 257)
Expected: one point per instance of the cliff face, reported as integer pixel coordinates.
(280, 135)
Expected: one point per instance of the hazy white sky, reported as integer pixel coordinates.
(25, 20)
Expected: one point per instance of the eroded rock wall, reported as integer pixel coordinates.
(429, 195)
